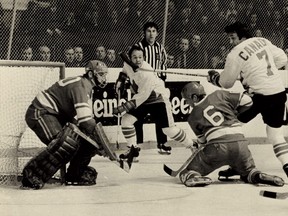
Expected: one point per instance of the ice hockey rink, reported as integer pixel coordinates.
(148, 190)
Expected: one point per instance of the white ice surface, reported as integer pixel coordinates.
(147, 190)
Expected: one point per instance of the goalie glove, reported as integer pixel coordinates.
(213, 77)
(124, 108)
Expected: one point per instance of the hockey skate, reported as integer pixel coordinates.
(30, 182)
(88, 178)
(163, 149)
(130, 155)
(270, 180)
(192, 179)
(225, 175)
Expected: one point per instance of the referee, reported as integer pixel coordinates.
(156, 56)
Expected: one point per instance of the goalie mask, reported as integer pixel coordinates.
(193, 88)
(100, 71)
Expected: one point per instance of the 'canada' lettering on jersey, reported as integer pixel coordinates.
(214, 116)
(68, 98)
(256, 60)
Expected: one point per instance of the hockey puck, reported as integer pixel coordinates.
(268, 194)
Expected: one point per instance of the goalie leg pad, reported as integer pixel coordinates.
(59, 152)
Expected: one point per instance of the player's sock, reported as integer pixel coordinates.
(281, 152)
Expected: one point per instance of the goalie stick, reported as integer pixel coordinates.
(274, 195)
(173, 173)
(135, 67)
(125, 165)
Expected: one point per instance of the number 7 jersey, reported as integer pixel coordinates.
(256, 60)
(215, 117)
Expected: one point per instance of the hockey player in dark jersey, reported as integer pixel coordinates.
(214, 121)
(67, 101)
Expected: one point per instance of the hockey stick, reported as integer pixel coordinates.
(173, 173)
(125, 165)
(274, 195)
(118, 121)
(135, 67)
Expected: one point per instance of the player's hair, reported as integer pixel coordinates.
(135, 47)
(150, 25)
(193, 88)
(241, 29)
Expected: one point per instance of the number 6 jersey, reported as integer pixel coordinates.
(214, 118)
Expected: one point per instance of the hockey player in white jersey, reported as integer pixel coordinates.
(150, 96)
(256, 61)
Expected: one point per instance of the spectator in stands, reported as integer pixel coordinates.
(27, 53)
(136, 16)
(216, 16)
(258, 33)
(276, 29)
(184, 24)
(44, 53)
(182, 54)
(70, 22)
(285, 25)
(171, 61)
(101, 53)
(198, 55)
(245, 14)
(113, 60)
(231, 9)
(215, 63)
(80, 61)
(223, 52)
(254, 24)
(69, 57)
(204, 26)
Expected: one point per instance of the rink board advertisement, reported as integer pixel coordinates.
(105, 99)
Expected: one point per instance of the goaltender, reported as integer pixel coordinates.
(47, 116)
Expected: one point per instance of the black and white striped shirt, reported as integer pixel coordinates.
(155, 54)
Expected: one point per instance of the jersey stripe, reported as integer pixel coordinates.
(46, 100)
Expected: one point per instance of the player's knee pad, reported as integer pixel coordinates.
(128, 120)
(275, 135)
(59, 152)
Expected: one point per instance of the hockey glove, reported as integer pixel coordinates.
(119, 87)
(213, 77)
(124, 108)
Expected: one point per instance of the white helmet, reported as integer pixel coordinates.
(100, 71)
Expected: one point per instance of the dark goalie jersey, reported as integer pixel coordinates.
(214, 120)
(68, 98)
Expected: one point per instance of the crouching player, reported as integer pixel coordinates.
(214, 122)
(150, 96)
(47, 116)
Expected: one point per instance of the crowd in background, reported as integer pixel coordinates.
(74, 31)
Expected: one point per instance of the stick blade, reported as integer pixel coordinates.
(169, 171)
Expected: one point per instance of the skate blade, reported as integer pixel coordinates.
(164, 152)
